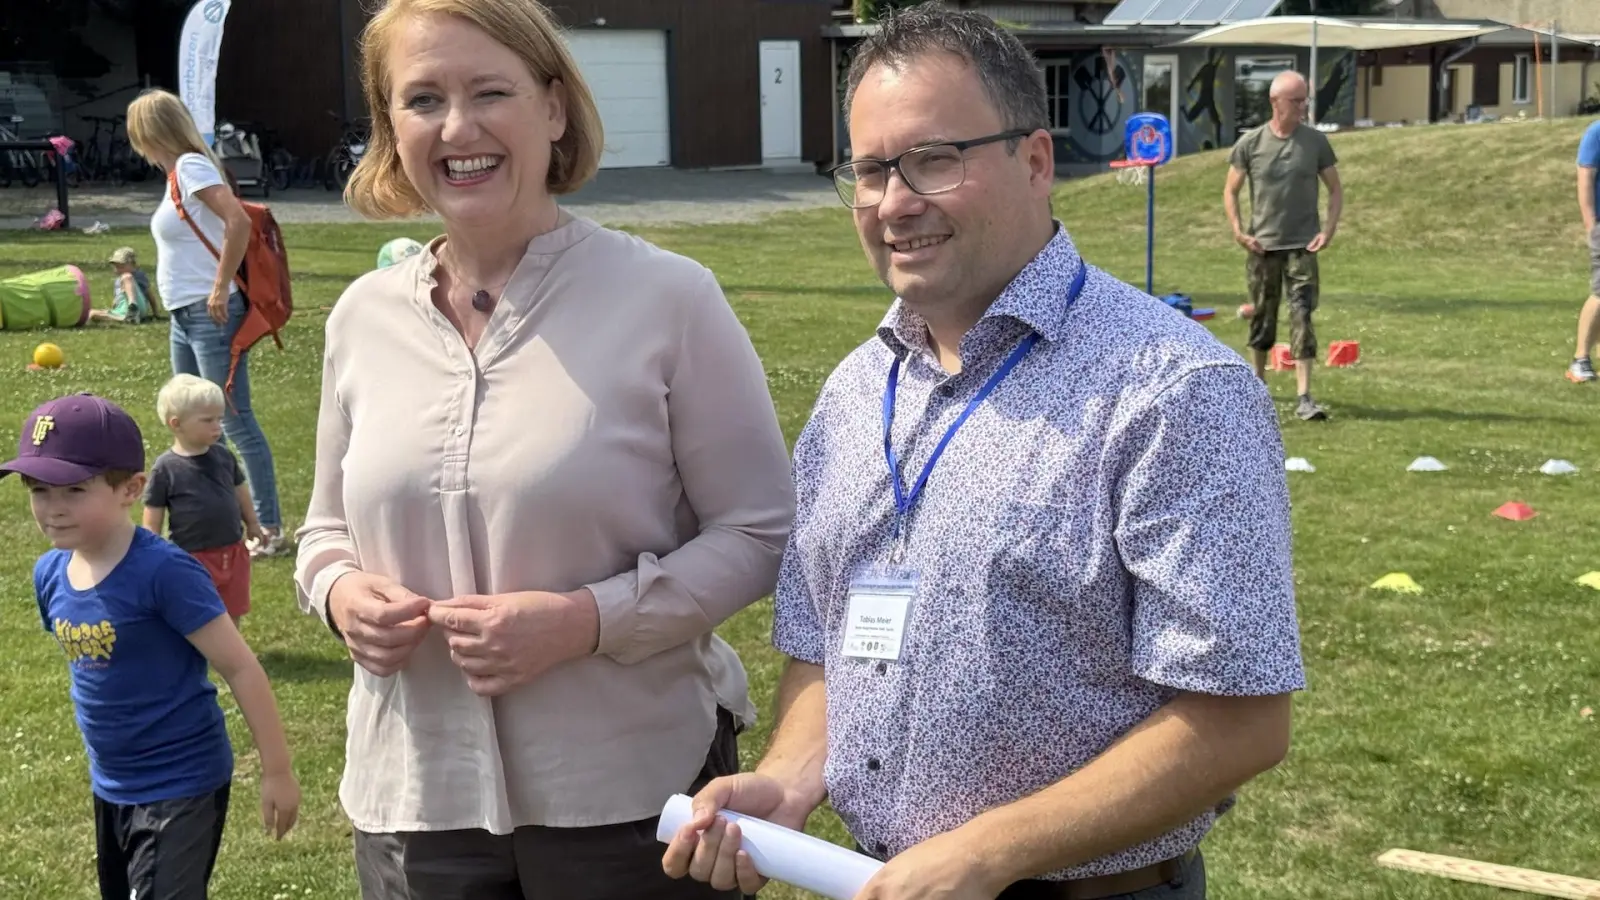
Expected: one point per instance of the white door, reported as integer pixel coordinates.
(627, 73)
(1161, 91)
(780, 100)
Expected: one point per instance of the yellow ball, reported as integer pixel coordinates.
(48, 356)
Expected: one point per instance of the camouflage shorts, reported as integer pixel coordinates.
(1270, 274)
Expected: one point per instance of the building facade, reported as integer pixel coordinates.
(1097, 76)
(1515, 74)
(683, 83)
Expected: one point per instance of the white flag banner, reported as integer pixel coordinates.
(199, 48)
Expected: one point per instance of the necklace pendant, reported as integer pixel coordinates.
(482, 302)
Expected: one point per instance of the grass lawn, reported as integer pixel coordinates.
(1448, 722)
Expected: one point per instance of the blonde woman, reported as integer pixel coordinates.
(197, 288)
(547, 467)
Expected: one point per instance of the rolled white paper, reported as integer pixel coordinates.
(783, 854)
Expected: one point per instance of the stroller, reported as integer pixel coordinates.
(240, 152)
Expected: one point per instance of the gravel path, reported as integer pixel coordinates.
(623, 196)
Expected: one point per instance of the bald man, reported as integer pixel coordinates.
(1284, 160)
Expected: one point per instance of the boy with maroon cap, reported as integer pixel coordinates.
(140, 620)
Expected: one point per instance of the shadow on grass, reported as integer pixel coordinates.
(1415, 307)
(304, 667)
(1379, 414)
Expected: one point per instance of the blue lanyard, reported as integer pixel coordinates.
(904, 501)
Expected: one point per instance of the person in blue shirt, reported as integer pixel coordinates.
(1582, 369)
(140, 620)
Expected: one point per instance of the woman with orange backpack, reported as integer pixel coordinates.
(202, 234)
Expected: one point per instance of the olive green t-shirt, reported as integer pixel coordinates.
(1283, 183)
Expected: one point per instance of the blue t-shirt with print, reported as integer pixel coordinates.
(1589, 155)
(148, 713)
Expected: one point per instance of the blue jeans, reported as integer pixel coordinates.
(201, 347)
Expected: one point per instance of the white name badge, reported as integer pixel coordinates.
(875, 625)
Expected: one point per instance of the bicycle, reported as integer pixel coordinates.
(346, 155)
(113, 162)
(309, 172)
(278, 162)
(25, 165)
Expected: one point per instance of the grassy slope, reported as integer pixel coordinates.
(1446, 722)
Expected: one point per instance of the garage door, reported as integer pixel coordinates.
(627, 73)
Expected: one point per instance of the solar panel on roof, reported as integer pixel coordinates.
(1251, 9)
(1130, 12)
(1208, 12)
(1189, 12)
(1168, 12)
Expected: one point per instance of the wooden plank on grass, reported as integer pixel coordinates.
(1509, 877)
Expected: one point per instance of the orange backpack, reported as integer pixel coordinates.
(263, 277)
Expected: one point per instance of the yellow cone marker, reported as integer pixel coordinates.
(1591, 580)
(1399, 582)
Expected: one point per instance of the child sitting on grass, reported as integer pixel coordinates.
(131, 304)
(139, 622)
(199, 489)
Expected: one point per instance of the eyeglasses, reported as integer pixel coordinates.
(929, 169)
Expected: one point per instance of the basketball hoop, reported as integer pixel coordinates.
(1147, 143)
(1131, 171)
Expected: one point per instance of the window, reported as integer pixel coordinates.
(1058, 86)
(1521, 73)
(1252, 79)
(1159, 95)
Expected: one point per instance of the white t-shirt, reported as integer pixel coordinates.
(185, 269)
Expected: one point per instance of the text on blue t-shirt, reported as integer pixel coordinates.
(148, 713)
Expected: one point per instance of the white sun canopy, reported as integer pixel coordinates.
(1345, 34)
(1326, 31)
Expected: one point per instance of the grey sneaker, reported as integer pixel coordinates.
(274, 545)
(1581, 371)
(1308, 410)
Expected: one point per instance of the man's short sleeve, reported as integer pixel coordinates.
(1239, 157)
(1203, 528)
(796, 629)
(1589, 147)
(155, 489)
(186, 598)
(1325, 155)
(796, 632)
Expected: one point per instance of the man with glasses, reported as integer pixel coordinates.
(1037, 602)
(1283, 160)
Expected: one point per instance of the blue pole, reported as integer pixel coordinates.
(1150, 231)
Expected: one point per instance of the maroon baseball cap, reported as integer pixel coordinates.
(74, 438)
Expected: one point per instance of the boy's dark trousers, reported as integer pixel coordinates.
(159, 851)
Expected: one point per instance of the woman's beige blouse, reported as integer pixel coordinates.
(613, 430)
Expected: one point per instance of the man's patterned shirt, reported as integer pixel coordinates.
(1109, 528)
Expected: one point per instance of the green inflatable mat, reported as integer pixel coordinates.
(52, 298)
